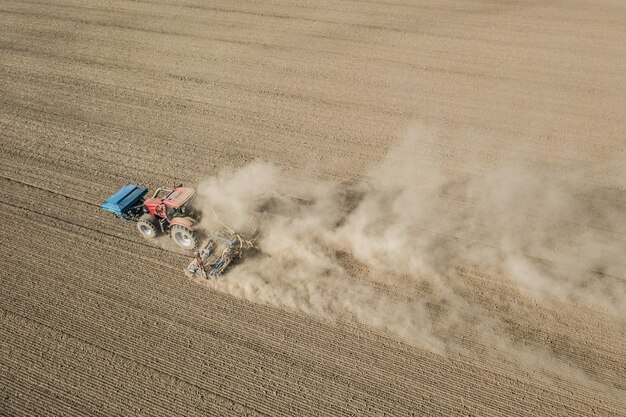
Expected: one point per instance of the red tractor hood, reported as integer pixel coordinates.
(179, 197)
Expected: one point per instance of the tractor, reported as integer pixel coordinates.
(171, 211)
(168, 211)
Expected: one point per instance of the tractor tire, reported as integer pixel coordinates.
(185, 238)
(146, 226)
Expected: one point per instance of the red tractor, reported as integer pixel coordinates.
(168, 211)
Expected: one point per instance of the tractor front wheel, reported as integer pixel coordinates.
(183, 237)
(146, 226)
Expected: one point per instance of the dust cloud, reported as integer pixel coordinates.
(387, 253)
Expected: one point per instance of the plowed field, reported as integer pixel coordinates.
(95, 94)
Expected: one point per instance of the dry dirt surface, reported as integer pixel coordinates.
(95, 94)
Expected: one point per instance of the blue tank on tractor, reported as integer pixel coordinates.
(125, 201)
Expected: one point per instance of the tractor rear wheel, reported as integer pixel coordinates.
(183, 237)
(146, 226)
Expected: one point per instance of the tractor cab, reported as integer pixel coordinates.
(179, 197)
(169, 203)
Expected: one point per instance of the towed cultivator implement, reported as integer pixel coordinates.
(223, 247)
(217, 254)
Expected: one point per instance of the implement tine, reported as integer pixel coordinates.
(200, 264)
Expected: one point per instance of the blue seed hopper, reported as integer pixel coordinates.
(125, 201)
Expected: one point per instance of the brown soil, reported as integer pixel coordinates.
(96, 94)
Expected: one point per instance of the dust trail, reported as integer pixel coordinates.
(297, 266)
(549, 237)
(387, 253)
